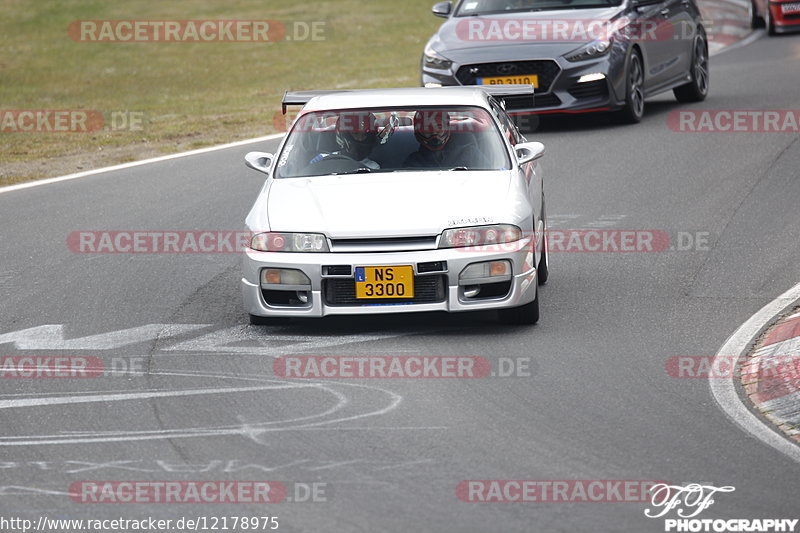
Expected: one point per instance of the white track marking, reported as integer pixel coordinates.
(51, 337)
(268, 345)
(123, 396)
(255, 431)
(228, 340)
(724, 391)
(48, 181)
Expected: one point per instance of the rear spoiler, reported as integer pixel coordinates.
(303, 97)
(498, 91)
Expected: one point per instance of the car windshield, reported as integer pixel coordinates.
(392, 140)
(470, 8)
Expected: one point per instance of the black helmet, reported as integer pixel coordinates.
(356, 133)
(432, 128)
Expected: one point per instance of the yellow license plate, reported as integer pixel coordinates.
(385, 282)
(531, 79)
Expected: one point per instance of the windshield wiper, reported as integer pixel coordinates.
(359, 170)
(458, 168)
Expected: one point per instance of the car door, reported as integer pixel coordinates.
(653, 32)
(531, 171)
(679, 47)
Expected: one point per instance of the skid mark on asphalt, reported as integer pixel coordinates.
(122, 396)
(354, 402)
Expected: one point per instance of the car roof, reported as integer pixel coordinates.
(411, 96)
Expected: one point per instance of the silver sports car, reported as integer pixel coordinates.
(395, 201)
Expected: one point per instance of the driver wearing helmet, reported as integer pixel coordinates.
(356, 136)
(432, 131)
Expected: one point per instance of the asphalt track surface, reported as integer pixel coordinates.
(598, 405)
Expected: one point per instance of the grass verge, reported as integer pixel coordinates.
(186, 95)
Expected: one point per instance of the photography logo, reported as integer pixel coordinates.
(689, 501)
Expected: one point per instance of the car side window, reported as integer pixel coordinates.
(509, 129)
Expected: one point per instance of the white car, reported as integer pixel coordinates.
(397, 201)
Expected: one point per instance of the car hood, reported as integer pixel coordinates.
(452, 38)
(387, 204)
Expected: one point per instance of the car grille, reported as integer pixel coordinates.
(592, 89)
(524, 102)
(392, 244)
(546, 69)
(427, 289)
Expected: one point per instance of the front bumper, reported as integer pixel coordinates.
(522, 287)
(784, 22)
(562, 91)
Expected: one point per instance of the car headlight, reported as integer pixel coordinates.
(289, 242)
(434, 59)
(594, 49)
(479, 236)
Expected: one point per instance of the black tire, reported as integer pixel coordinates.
(543, 268)
(633, 111)
(769, 23)
(755, 20)
(527, 314)
(697, 89)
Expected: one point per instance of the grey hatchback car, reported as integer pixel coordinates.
(580, 55)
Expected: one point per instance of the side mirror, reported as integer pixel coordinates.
(442, 9)
(527, 152)
(260, 161)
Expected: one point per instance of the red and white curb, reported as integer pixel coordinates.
(727, 22)
(771, 375)
(739, 345)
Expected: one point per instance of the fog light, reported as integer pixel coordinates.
(302, 296)
(284, 276)
(486, 272)
(472, 291)
(595, 76)
(497, 268)
(271, 276)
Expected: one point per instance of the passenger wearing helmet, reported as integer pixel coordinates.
(433, 133)
(356, 136)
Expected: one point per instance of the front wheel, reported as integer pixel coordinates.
(769, 23)
(752, 15)
(527, 314)
(697, 89)
(543, 268)
(634, 94)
